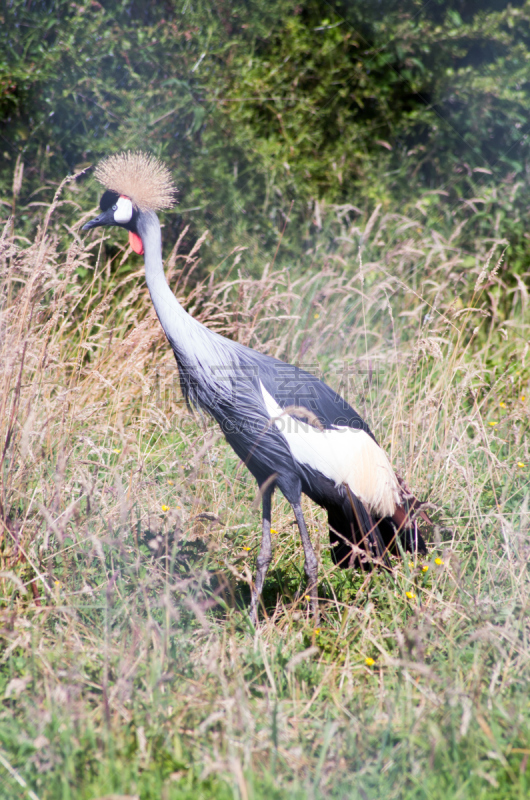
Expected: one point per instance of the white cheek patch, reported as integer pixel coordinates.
(124, 210)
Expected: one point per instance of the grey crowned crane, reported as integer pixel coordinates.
(290, 429)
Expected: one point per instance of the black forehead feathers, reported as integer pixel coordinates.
(108, 199)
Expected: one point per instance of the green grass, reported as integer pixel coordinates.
(129, 534)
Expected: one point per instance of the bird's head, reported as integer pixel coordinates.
(135, 183)
(118, 209)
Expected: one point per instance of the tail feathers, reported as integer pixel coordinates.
(357, 539)
(404, 524)
(354, 536)
(406, 517)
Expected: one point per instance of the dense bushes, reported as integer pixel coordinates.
(273, 112)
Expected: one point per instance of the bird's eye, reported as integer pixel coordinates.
(114, 207)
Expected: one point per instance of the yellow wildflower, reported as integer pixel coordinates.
(317, 316)
(521, 464)
(410, 595)
(523, 398)
(273, 530)
(492, 423)
(425, 568)
(165, 508)
(439, 562)
(317, 630)
(246, 548)
(369, 661)
(502, 404)
(306, 597)
(411, 565)
(116, 450)
(171, 483)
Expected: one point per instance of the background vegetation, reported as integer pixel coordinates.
(361, 170)
(271, 112)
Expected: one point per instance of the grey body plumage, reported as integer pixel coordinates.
(290, 429)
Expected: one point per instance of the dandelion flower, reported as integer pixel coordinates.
(492, 423)
(425, 568)
(117, 450)
(369, 661)
(246, 548)
(57, 583)
(165, 508)
(523, 398)
(316, 316)
(502, 404)
(317, 630)
(439, 562)
(410, 595)
(273, 530)
(521, 464)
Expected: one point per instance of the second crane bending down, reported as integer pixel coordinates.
(290, 429)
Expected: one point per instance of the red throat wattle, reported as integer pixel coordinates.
(136, 243)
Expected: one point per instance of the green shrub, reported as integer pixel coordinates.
(267, 115)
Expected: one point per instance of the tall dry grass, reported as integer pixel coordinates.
(128, 532)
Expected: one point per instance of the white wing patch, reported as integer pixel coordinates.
(344, 455)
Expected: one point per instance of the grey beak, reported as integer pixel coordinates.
(93, 223)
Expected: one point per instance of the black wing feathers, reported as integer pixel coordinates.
(290, 385)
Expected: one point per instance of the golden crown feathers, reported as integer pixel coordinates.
(139, 176)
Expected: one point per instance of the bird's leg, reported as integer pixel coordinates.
(311, 563)
(265, 553)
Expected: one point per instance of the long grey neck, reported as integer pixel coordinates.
(172, 316)
(194, 345)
